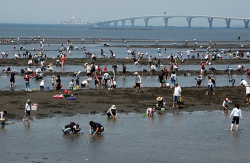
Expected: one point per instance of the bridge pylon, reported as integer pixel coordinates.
(246, 23)
(189, 22)
(228, 22)
(166, 22)
(146, 22)
(132, 22)
(210, 22)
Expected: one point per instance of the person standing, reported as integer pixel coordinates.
(173, 79)
(27, 82)
(176, 95)
(58, 83)
(112, 84)
(12, 78)
(236, 113)
(248, 94)
(137, 82)
(27, 110)
(124, 70)
(97, 81)
(161, 78)
(78, 78)
(63, 58)
(210, 85)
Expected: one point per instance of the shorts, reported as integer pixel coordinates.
(175, 98)
(211, 88)
(41, 87)
(83, 85)
(88, 74)
(138, 85)
(248, 95)
(96, 82)
(236, 119)
(77, 82)
(12, 80)
(28, 113)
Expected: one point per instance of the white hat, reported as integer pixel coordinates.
(79, 72)
(136, 73)
(113, 107)
(28, 101)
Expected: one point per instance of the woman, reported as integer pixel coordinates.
(97, 81)
(236, 113)
(58, 83)
(112, 111)
(210, 85)
(95, 128)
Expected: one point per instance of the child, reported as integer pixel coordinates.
(150, 112)
(76, 129)
(42, 85)
(226, 104)
(71, 85)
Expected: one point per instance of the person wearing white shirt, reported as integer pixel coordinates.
(137, 82)
(236, 113)
(243, 83)
(27, 110)
(176, 95)
(42, 85)
(248, 94)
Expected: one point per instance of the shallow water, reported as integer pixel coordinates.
(120, 52)
(184, 137)
(148, 81)
(130, 67)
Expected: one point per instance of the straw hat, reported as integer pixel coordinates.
(159, 98)
(2, 119)
(136, 73)
(113, 107)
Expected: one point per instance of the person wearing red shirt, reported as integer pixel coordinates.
(27, 82)
(63, 58)
(97, 81)
(105, 69)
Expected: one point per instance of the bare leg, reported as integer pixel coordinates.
(237, 126)
(232, 125)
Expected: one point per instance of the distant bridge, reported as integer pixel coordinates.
(167, 17)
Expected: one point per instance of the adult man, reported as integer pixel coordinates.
(27, 82)
(27, 110)
(78, 77)
(137, 82)
(12, 78)
(176, 95)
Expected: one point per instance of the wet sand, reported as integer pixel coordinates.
(92, 101)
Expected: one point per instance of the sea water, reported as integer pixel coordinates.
(155, 33)
(201, 136)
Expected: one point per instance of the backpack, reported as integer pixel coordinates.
(213, 80)
(173, 77)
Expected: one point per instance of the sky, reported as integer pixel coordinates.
(55, 11)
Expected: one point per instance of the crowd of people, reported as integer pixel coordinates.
(101, 77)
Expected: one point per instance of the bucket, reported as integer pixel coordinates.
(77, 87)
(47, 88)
(34, 89)
(34, 106)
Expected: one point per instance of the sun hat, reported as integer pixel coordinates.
(79, 72)
(28, 101)
(159, 98)
(113, 107)
(136, 73)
